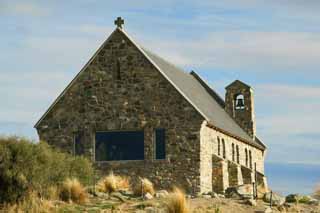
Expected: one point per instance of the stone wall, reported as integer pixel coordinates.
(121, 90)
(206, 162)
(244, 117)
(225, 171)
(211, 137)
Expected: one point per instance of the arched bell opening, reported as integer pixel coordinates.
(239, 102)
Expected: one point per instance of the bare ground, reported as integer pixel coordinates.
(200, 205)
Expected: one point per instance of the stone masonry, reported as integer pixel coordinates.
(120, 89)
(226, 170)
(141, 100)
(244, 117)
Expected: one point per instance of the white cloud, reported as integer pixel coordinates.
(288, 110)
(291, 92)
(287, 120)
(252, 51)
(27, 97)
(23, 8)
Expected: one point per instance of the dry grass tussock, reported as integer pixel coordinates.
(31, 203)
(143, 186)
(176, 202)
(52, 193)
(73, 191)
(113, 183)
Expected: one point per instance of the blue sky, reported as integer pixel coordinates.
(272, 45)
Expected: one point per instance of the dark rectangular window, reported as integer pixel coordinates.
(78, 143)
(119, 145)
(160, 144)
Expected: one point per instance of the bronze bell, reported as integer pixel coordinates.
(240, 103)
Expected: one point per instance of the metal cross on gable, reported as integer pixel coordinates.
(119, 22)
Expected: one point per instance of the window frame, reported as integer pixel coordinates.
(250, 159)
(246, 156)
(75, 135)
(219, 148)
(119, 161)
(233, 152)
(155, 144)
(238, 154)
(223, 148)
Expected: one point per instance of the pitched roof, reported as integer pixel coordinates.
(238, 82)
(203, 98)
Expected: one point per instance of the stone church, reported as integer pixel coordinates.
(132, 112)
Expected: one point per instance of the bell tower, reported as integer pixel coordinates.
(239, 104)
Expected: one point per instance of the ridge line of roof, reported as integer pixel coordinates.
(206, 88)
(210, 90)
(165, 60)
(241, 82)
(168, 79)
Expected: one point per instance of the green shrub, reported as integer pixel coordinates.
(29, 166)
(304, 199)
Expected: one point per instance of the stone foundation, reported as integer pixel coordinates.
(227, 174)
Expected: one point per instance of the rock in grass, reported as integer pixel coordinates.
(268, 210)
(251, 202)
(314, 202)
(119, 196)
(231, 192)
(162, 194)
(148, 196)
(288, 205)
(214, 195)
(240, 192)
(151, 210)
(276, 199)
(221, 196)
(281, 208)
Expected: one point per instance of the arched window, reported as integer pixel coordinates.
(239, 102)
(232, 152)
(223, 149)
(218, 146)
(250, 159)
(246, 153)
(238, 154)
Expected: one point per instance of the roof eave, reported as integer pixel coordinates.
(260, 147)
(238, 81)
